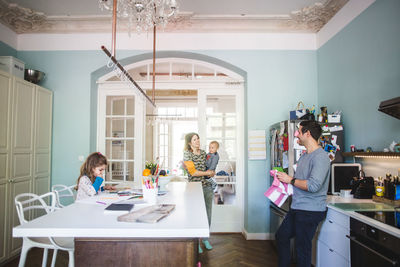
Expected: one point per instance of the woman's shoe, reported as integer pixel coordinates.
(207, 244)
(200, 249)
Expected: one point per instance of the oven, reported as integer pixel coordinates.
(370, 246)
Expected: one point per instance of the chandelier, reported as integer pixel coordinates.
(143, 14)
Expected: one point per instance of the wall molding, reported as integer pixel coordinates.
(170, 41)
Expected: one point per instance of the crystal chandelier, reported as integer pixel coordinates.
(143, 14)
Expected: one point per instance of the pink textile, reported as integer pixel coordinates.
(278, 192)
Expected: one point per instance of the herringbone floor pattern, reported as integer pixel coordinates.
(229, 250)
(234, 250)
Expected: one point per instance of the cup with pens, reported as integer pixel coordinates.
(150, 189)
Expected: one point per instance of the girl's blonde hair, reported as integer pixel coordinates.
(188, 140)
(94, 160)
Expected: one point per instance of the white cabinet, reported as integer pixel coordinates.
(333, 247)
(25, 150)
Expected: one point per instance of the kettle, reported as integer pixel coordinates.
(362, 186)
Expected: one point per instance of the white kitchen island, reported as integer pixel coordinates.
(101, 240)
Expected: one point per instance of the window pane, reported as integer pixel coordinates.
(230, 148)
(230, 133)
(130, 149)
(162, 111)
(230, 121)
(130, 105)
(213, 133)
(214, 122)
(117, 170)
(162, 143)
(117, 105)
(130, 128)
(116, 150)
(130, 169)
(114, 128)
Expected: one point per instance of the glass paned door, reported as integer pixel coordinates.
(120, 121)
(221, 127)
(221, 120)
(120, 136)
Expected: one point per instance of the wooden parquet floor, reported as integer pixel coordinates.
(234, 250)
(229, 250)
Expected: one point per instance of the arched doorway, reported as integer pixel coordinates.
(192, 95)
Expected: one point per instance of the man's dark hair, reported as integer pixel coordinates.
(313, 127)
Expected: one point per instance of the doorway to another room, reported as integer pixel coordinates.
(191, 96)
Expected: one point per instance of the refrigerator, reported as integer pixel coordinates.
(285, 153)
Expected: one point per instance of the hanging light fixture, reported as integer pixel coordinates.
(143, 14)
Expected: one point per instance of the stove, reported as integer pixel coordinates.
(391, 218)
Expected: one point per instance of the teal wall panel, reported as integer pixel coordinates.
(6, 50)
(360, 67)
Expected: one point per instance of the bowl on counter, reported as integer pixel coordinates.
(34, 76)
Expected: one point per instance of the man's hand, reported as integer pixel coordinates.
(283, 177)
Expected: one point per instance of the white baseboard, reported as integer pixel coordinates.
(258, 236)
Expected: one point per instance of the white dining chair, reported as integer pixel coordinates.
(64, 192)
(27, 202)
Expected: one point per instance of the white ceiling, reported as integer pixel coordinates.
(199, 7)
(69, 16)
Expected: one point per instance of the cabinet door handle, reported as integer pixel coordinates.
(331, 250)
(330, 221)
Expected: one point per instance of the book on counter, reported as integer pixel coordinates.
(120, 207)
(150, 214)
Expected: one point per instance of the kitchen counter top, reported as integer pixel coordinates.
(188, 220)
(362, 205)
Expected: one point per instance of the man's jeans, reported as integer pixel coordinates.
(301, 224)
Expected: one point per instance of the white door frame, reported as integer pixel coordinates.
(122, 89)
(218, 226)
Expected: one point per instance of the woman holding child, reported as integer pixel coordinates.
(192, 152)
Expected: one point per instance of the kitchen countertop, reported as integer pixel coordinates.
(82, 219)
(350, 211)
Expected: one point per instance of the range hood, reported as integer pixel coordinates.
(391, 107)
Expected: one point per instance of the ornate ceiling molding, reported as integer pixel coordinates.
(314, 17)
(307, 20)
(21, 19)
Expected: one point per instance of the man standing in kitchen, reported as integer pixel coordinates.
(308, 208)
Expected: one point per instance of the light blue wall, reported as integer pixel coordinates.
(276, 81)
(6, 50)
(358, 68)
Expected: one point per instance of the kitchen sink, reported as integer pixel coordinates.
(363, 206)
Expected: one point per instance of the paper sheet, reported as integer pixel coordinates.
(257, 145)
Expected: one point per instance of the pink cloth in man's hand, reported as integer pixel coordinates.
(278, 192)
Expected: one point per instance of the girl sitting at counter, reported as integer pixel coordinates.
(90, 178)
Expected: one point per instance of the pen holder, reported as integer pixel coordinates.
(150, 195)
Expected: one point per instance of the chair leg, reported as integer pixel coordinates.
(24, 253)
(71, 262)
(45, 253)
(53, 261)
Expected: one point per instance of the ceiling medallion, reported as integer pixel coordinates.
(21, 19)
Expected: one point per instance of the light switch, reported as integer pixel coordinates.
(81, 158)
